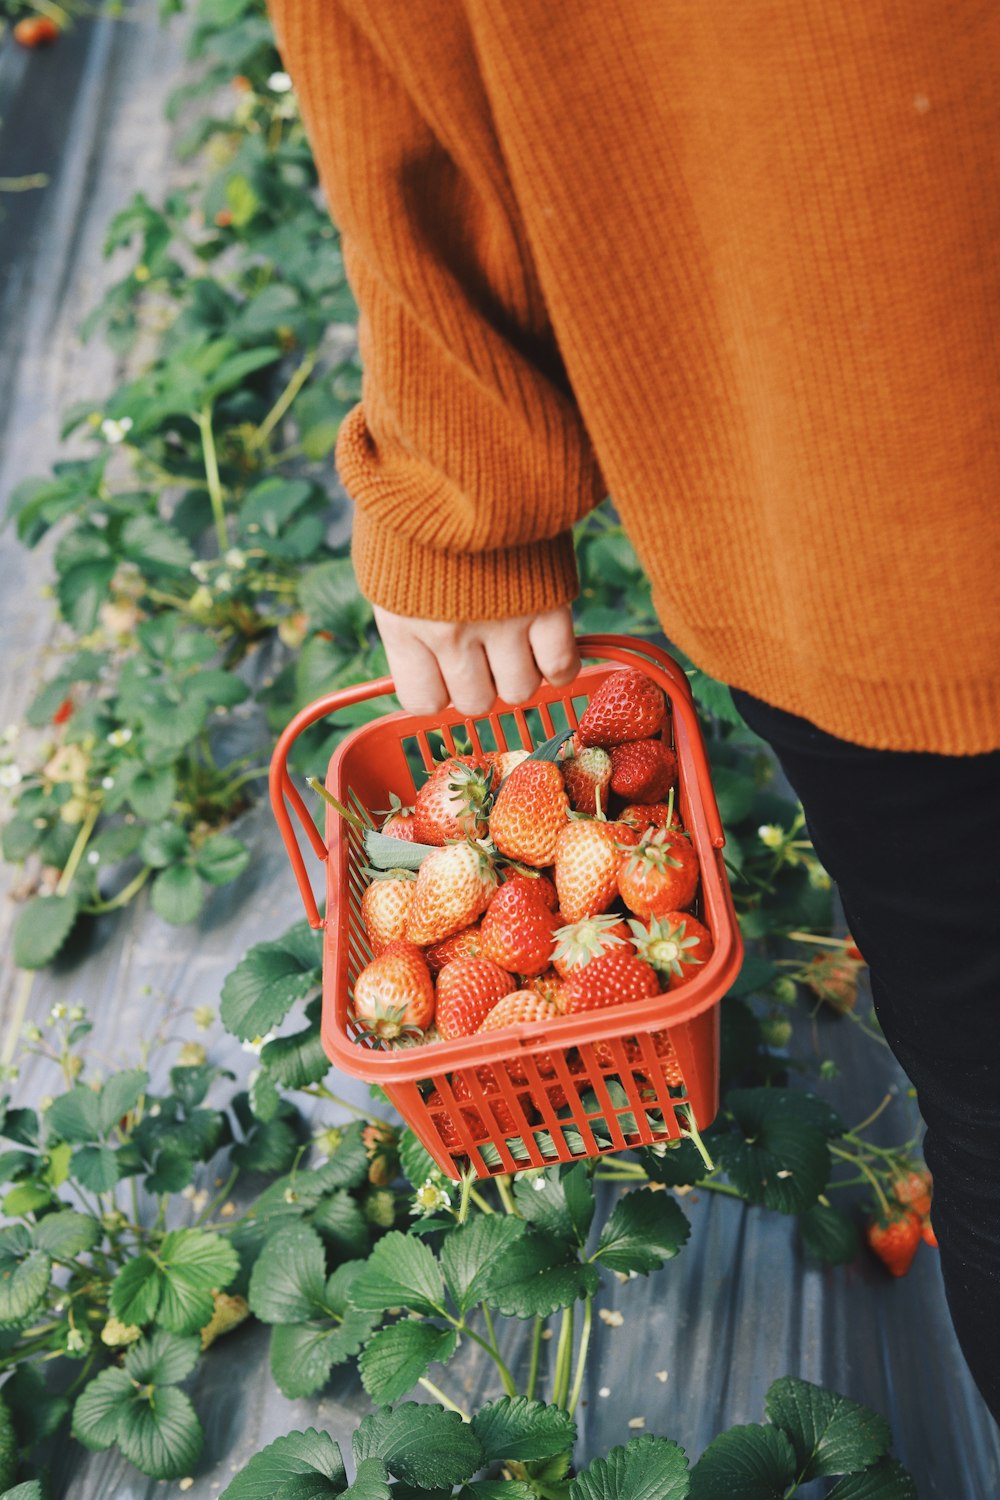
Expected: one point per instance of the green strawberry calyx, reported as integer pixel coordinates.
(664, 948)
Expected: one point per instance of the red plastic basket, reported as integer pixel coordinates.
(613, 1078)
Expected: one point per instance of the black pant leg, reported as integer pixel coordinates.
(912, 841)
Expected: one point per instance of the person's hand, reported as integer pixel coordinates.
(434, 663)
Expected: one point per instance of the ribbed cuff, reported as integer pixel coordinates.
(409, 579)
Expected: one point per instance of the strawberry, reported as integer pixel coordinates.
(927, 1234)
(627, 706)
(520, 1008)
(499, 1109)
(529, 812)
(579, 942)
(662, 1045)
(555, 1092)
(444, 1123)
(539, 887)
(587, 859)
(643, 771)
(616, 978)
(913, 1189)
(587, 777)
(462, 944)
(851, 949)
(549, 985)
(834, 978)
(676, 945)
(517, 931)
(895, 1240)
(450, 804)
(36, 31)
(660, 874)
(467, 990)
(385, 907)
(400, 822)
(643, 815)
(504, 762)
(453, 886)
(395, 992)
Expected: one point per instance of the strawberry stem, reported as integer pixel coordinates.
(345, 812)
(694, 1134)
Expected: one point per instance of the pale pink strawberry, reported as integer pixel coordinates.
(399, 822)
(627, 706)
(676, 945)
(453, 886)
(660, 874)
(521, 1008)
(395, 992)
(587, 776)
(504, 762)
(587, 860)
(517, 930)
(462, 944)
(385, 907)
(529, 812)
(578, 942)
(643, 771)
(450, 804)
(616, 978)
(467, 990)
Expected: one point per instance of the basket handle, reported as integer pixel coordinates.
(282, 786)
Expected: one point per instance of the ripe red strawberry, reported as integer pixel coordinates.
(833, 977)
(662, 1045)
(579, 942)
(444, 1123)
(385, 907)
(400, 822)
(660, 874)
(587, 859)
(549, 985)
(587, 776)
(64, 711)
(463, 944)
(852, 950)
(453, 886)
(450, 804)
(500, 1111)
(517, 930)
(616, 978)
(529, 812)
(643, 771)
(627, 706)
(520, 1008)
(395, 992)
(36, 31)
(895, 1240)
(927, 1234)
(467, 990)
(643, 815)
(554, 1092)
(913, 1189)
(676, 945)
(539, 887)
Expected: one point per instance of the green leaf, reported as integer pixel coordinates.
(831, 1236)
(25, 1274)
(75, 1115)
(348, 1166)
(269, 1147)
(31, 1489)
(785, 1104)
(285, 1459)
(470, 1252)
(163, 845)
(401, 1272)
(755, 973)
(26, 1198)
(178, 895)
(303, 1354)
(235, 370)
(135, 1291)
(561, 1202)
(514, 1427)
(98, 1409)
(647, 1468)
(264, 986)
(270, 505)
(830, 1434)
(495, 1489)
(371, 1482)
(81, 591)
(887, 1480)
(343, 1226)
(193, 1263)
(163, 1358)
(265, 1101)
(120, 1094)
(297, 1060)
(416, 1161)
(289, 1277)
(645, 1229)
(779, 1154)
(42, 928)
(745, 1463)
(38, 1414)
(67, 1233)
(152, 792)
(535, 1275)
(96, 1168)
(153, 545)
(160, 1433)
(396, 1357)
(330, 596)
(422, 1445)
(8, 1445)
(221, 858)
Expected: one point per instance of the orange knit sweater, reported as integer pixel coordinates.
(736, 262)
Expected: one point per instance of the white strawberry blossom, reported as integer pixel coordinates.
(119, 737)
(429, 1197)
(257, 1042)
(279, 83)
(10, 775)
(771, 835)
(116, 431)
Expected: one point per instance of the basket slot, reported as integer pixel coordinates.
(426, 755)
(544, 713)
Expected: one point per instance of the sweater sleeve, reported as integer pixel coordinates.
(467, 459)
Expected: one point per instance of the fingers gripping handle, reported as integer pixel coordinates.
(283, 789)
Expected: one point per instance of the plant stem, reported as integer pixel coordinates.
(320, 1091)
(718, 1187)
(493, 1352)
(284, 401)
(564, 1357)
(509, 1383)
(345, 812)
(536, 1350)
(863, 1167)
(446, 1401)
(581, 1358)
(480, 1202)
(506, 1197)
(124, 896)
(220, 1197)
(463, 1202)
(77, 851)
(203, 421)
(17, 1020)
(868, 1120)
(694, 1135)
